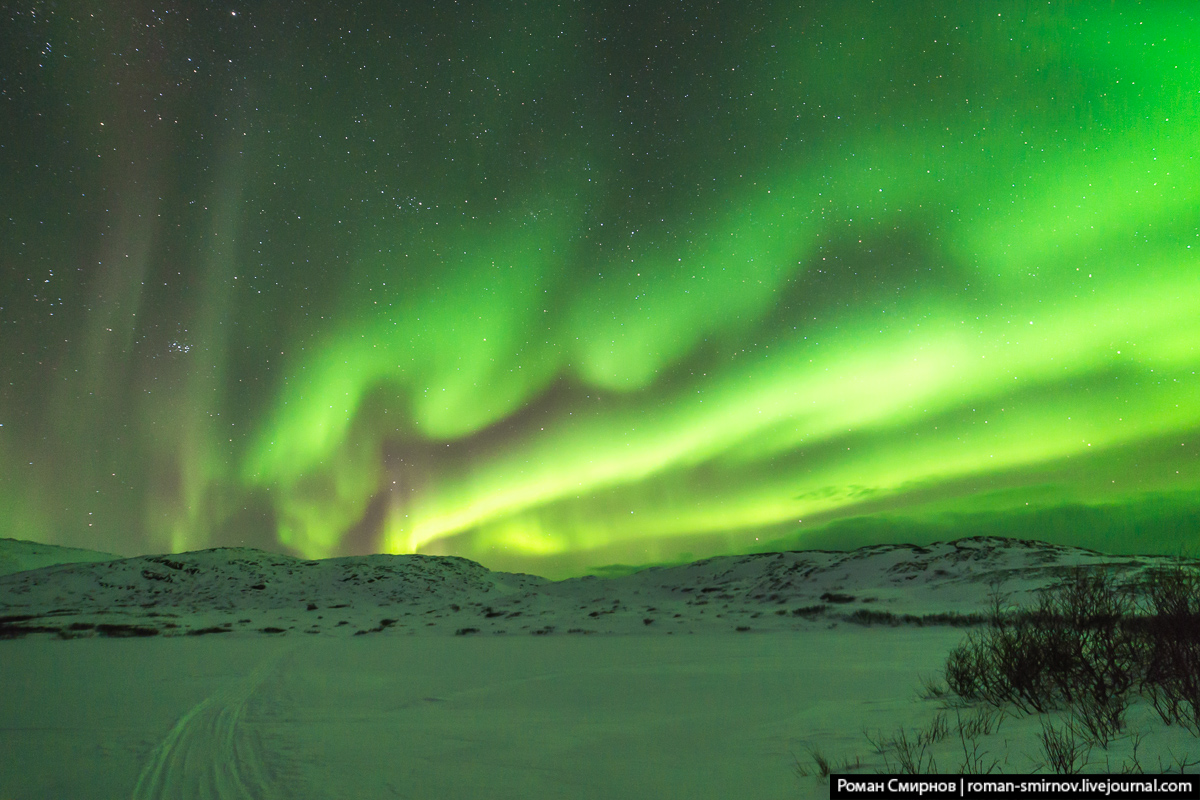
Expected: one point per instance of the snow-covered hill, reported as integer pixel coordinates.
(228, 590)
(17, 555)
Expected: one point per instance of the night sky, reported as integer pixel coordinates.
(557, 285)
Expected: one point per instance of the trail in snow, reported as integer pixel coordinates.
(205, 756)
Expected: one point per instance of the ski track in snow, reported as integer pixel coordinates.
(205, 756)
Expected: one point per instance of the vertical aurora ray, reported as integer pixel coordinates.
(547, 288)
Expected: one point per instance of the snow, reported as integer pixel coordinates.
(17, 555)
(261, 675)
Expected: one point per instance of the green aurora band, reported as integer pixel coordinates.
(553, 289)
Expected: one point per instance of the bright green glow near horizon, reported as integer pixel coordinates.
(616, 301)
(804, 402)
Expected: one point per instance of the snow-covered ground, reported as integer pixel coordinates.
(17, 555)
(237, 673)
(241, 590)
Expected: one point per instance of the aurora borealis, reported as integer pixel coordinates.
(556, 285)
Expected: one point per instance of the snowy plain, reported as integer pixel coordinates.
(237, 673)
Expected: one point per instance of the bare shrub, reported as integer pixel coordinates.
(1092, 655)
(969, 731)
(1073, 649)
(1065, 755)
(822, 766)
(913, 755)
(1004, 664)
(1170, 641)
(931, 689)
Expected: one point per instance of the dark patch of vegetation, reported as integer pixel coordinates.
(176, 565)
(312, 606)
(743, 628)
(543, 631)
(18, 631)
(466, 631)
(81, 626)
(952, 618)
(809, 611)
(865, 616)
(119, 630)
(837, 597)
(275, 630)
(259, 586)
(206, 631)
(647, 621)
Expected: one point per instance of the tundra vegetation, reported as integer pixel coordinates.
(1087, 652)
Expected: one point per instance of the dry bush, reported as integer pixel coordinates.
(1075, 649)
(1169, 637)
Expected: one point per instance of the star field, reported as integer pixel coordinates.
(551, 285)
